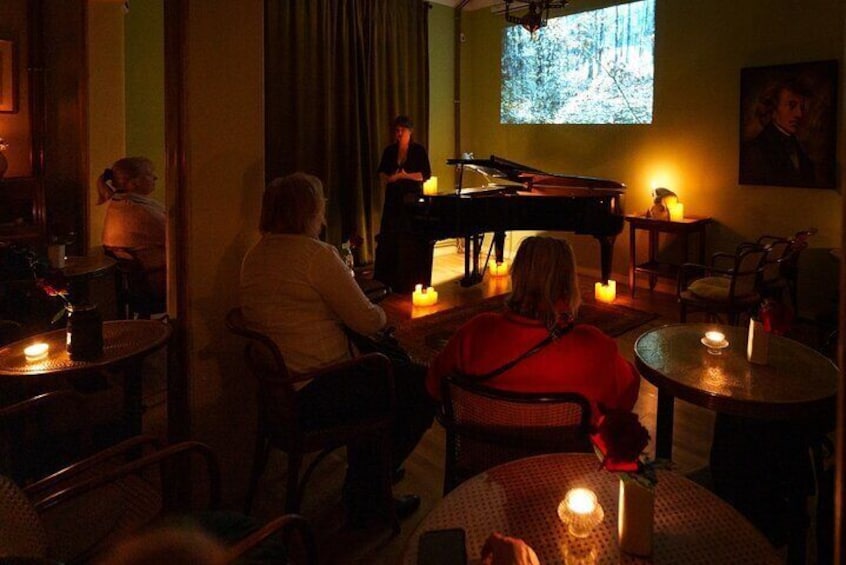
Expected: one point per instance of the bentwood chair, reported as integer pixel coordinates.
(788, 268)
(135, 292)
(279, 424)
(486, 426)
(79, 511)
(730, 285)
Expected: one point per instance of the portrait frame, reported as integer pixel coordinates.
(788, 129)
(8, 77)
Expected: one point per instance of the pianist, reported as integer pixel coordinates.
(403, 169)
(545, 297)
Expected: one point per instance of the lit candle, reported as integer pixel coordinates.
(500, 269)
(714, 341)
(676, 211)
(430, 186)
(580, 511)
(605, 292)
(424, 296)
(36, 352)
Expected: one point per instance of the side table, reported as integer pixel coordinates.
(684, 228)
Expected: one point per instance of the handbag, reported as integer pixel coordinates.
(556, 332)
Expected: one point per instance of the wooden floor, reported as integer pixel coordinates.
(424, 468)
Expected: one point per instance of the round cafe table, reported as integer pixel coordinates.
(125, 343)
(520, 499)
(796, 383)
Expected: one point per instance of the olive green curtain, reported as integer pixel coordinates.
(336, 73)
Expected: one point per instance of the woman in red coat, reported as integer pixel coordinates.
(545, 298)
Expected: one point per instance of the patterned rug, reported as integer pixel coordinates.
(425, 337)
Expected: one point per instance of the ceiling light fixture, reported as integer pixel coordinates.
(538, 13)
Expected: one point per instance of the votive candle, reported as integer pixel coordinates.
(714, 338)
(676, 210)
(580, 511)
(500, 269)
(36, 352)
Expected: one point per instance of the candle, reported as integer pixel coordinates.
(580, 511)
(36, 352)
(424, 296)
(676, 211)
(430, 186)
(500, 269)
(605, 292)
(714, 341)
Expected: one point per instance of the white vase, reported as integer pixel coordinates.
(636, 517)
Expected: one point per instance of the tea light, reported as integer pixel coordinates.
(424, 296)
(715, 342)
(676, 210)
(36, 352)
(605, 292)
(580, 511)
(430, 187)
(500, 269)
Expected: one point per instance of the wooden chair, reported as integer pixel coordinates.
(44, 433)
(279, 423)
(76, 513)
(136, 296)
(717, 289)
(486, 426)
(788, 268)
(773, 282)
(288, 525)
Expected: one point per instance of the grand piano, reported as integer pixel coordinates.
(516, 197)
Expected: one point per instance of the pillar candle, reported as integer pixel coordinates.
(605, 293)
(424, 296)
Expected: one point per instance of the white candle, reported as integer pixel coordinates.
(424, 296)
(676, 212)
(581, 511)
(36, 352)
(500, 269)
(605, 292)
(430, 186)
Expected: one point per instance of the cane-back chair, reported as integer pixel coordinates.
(788, 267)
(486, 426)
(280, 426)
(135, 285)
(79, 511)
(730, 285)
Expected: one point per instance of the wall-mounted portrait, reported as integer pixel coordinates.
(788, 130)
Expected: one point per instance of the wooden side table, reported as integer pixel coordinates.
(652, 267)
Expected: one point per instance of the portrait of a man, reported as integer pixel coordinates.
(787, 131)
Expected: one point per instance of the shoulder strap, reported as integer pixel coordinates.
(553, 335)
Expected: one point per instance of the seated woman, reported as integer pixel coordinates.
(134, 227)
(545, 298)
(297, 290)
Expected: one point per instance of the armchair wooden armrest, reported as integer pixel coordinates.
(689, 272)
(123, 449)
(161, 457)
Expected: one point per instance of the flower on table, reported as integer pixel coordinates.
(619, 441)
(53, 283)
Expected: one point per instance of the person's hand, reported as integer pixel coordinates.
(399, 175)
(505, 550)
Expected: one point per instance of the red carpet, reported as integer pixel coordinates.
(425, 337)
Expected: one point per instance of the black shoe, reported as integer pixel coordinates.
(406, 505)
(397, 475)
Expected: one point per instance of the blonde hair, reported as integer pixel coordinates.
(173, 545)
(291, 203)
(117, 177)
(542, 275)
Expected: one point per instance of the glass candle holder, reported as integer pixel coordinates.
(714, 342)
(580, 511)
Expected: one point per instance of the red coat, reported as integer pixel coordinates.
(585, 360)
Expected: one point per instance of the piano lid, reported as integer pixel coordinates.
(499, 168)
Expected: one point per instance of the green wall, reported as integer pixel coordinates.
(441, 93)
(692, 145)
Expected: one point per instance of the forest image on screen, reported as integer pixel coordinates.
(594, 67)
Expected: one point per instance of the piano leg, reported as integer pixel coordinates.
(499, 246)
(606, 257)
(472, 246)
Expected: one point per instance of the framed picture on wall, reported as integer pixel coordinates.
(788, 132)
(8, 86)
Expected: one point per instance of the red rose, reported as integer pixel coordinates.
(620, 438)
